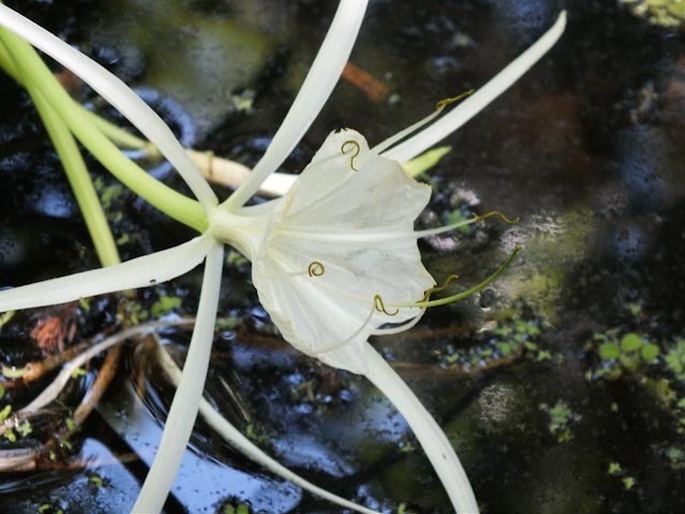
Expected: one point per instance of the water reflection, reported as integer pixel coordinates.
(584, 150)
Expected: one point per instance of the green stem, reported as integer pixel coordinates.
(120, 136)
(465, 294)
(7, 64)
(166, 199)
(74, 167)
(116, 134)
(79, 178)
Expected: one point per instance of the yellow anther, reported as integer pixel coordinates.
(437, 289)
(447, 101)
(315, 269)
(355, 149)
(499, 215)
(380, 306)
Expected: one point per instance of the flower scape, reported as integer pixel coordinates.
(325, 255)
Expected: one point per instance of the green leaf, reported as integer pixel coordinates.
(608, 351)
(70, 423)
(560, 414)
(10, 435)
(615, 468)
(25, 428)
(505, 348)
(631, 342)
(628, 483)
(675, 362)
(544, 355)
(165, 304)
(629, 362)
(425, 161)
(634, 308)
(650, 352)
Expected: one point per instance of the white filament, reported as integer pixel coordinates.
(480, 99)
(183, 411)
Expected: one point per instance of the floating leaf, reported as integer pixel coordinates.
(165, 304)
(650, 352)
(631, 342)
(608, 351)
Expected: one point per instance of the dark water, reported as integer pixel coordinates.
(587, 150)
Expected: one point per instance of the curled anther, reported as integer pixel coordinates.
(438, 289)
(498, 214)
(473, 290)
(355, 151)
(441, 104)
(379, 305)
(315, 269)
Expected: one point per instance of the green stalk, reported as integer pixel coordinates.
(74, 167)
(465, 294)
(115, 133)
(79, 178)
(174, 204)
(7, 64)
(120, 136)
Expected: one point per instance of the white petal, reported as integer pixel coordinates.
(183, 411)
(330, 196)
(351, 214)
(315, 90)
(433, 440)
(141, 272)
(277, 184)
(480, 99)
(115, 92)
(241, 443)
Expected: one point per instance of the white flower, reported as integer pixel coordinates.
(338, 247)
(334, 260)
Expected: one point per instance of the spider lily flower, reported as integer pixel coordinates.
(323, 264)
(325, 256)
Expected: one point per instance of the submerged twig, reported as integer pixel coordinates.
(105, 376)
(35, 370)
(51, 392)
(375, 90)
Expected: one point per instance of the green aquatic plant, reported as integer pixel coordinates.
(231, 508)
(616, 470)
(513, 334)
(517, 334)
(561, 420)
(675, 359)
(619, 353)
(628, 353)
(45, 508)
(325, 256)
(667, 13)
(646, 365)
